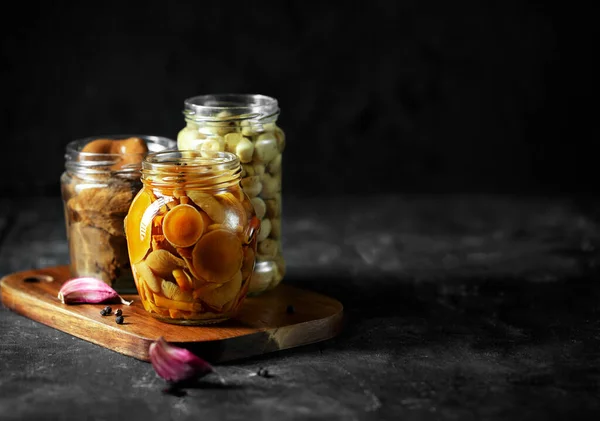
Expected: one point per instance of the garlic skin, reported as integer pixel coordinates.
(87, 290)
(176, 364)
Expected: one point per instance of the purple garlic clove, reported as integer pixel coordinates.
(88, 290)
(176, 364)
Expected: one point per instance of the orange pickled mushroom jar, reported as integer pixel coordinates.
(191, 236)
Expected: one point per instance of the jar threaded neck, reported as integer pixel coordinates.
(191, 168)
(227, 108)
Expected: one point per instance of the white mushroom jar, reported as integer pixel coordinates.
(245, 125)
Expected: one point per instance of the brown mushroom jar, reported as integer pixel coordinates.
(101, 177)
(191, 235)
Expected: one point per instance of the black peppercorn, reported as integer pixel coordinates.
(118, 312)
(103, 312)
(263, 372)
(108, 309)
(119, 320)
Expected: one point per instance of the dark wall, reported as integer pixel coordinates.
(375, 96)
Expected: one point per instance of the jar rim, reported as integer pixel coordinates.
(189, 158)
(208, 169)
(222, 107)
(97, 163)
(154, 143)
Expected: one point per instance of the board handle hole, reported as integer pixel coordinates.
(38, 278)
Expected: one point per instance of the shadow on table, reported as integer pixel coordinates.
(386, 314)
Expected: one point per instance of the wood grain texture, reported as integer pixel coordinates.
(263, 324)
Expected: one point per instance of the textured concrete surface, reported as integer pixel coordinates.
(458, 307)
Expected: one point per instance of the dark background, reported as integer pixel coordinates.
(395, 96)
(457, 306)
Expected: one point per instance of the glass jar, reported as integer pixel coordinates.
(101, 177)
(246, 125)
(192, 235)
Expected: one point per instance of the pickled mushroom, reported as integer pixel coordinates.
(218, 297)
(190, 266)
(183, 226)
(183, 280)
(259, 207)
(213, 227)
(217, 256)
(231, 141)
(208, 204)
(184, 252)
(131, 145)
(212, 144)
(202, 289)
(275, 228)
(265, 229)
(167, 303)
(268, 248)
(158, 309)
(177, 314)
(130, 150)
(163, 263)
(235, 214)
(138, 237)
(173, 292)
(144, 272)
(245, 150)
(252, 185)
(205, 218)
(139, 284)
(265, 148)
(159, 242)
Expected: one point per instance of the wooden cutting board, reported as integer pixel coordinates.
(263, 325)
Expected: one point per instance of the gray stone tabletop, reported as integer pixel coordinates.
(457, 307)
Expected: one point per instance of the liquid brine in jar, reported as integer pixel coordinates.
(246, 125)
(192, 236)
